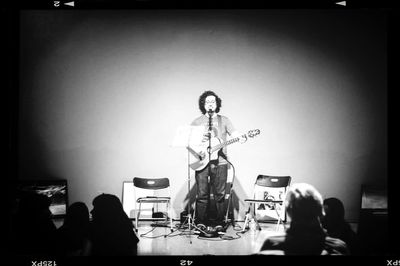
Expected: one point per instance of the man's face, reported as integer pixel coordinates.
(210, 103)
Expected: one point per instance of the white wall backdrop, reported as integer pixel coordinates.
(103, 92)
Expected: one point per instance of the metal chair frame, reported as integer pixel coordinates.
(272, 182)
(152, 184)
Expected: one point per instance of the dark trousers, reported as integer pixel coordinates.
(218, 177)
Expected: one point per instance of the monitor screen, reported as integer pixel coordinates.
(55, 190)
(373, 198)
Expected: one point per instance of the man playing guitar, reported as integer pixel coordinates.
(215, 166)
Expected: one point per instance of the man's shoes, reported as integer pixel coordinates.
(220, 228)
(201, 227)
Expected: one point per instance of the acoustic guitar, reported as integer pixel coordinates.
(200, 158)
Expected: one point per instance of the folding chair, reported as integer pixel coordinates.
(154, 186)
(263, 182)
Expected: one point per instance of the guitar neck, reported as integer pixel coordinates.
(223, 144)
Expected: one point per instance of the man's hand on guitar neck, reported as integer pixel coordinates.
(242, 137)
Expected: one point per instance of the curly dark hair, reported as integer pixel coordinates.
(202, 100)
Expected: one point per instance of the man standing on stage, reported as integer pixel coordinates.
(216, 129)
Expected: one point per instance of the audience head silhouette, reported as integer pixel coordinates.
(77, 215)
(304, 203)
(72, 236)
(336, 225)
(107, 207)
(112, 231)
(305, 236)
(334, 209)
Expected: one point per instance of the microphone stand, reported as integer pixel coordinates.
(210, 114)
(189, 216)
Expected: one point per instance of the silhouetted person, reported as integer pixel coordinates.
(111, 231)
(305, 236)
(73, 236)
(33, 229)
(336, 225)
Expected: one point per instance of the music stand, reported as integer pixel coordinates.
(187, 136)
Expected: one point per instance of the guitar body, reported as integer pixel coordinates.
(199, 162)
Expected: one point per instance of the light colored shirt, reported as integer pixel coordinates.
(221, 127)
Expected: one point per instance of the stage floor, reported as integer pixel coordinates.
(159, 240)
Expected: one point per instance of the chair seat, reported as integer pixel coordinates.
(261, 201)
(162, 186)
(150, 199)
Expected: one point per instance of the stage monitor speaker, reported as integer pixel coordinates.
(373, 221)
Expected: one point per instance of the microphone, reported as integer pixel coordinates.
(210, 114)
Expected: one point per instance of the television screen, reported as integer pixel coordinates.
(55, 190)
(373, 198)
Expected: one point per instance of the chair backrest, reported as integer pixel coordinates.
(273, 181)
(151, 183)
